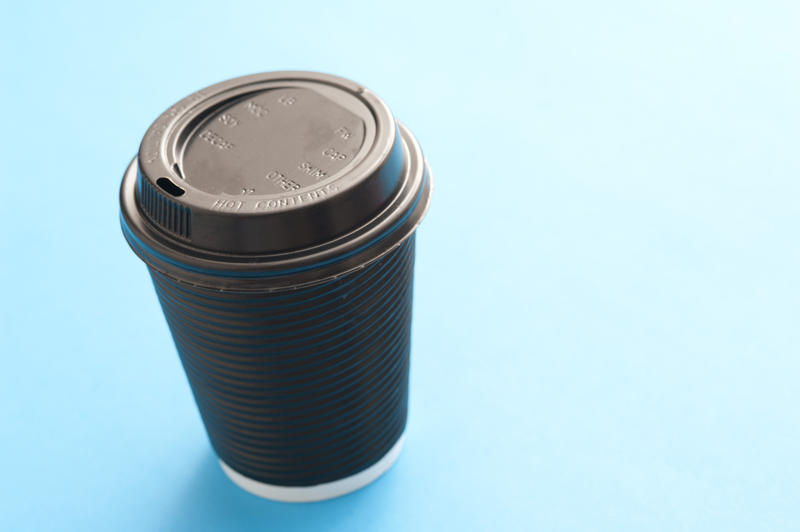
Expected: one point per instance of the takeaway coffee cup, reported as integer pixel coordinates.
(276, 216)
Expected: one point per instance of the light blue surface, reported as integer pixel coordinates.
(608, 283)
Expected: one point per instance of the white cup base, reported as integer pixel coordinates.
(319, 492)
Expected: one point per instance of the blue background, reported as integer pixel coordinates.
(608, 289)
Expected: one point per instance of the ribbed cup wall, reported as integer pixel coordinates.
(301, 387)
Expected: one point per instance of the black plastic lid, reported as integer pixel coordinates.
(264, 169)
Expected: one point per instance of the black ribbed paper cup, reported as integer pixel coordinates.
(276, 214)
